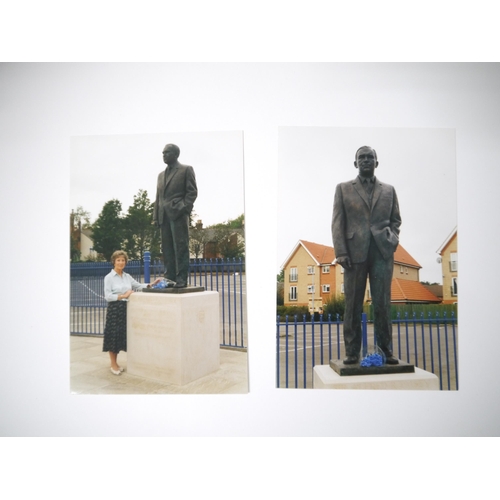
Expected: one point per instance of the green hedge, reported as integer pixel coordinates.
(335, 307)
(434, 309)
(332, 307)
(291, 311)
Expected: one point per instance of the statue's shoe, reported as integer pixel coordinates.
(351, 360)
(391, 360)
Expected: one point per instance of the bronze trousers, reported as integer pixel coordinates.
(379, 271)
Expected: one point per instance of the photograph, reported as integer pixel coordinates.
(162, 215)
(367, 286)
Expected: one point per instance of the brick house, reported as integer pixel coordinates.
(448, 252)
(312, 277)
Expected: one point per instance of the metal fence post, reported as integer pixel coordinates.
(364, 333)
(88, 302)
(447, 362)
(147, 268)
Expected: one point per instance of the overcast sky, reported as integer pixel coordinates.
(116, 166)
(419, 163)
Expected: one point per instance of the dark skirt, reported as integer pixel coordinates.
(115, 331)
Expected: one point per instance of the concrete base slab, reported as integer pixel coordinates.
(326, 378)
(173, 338)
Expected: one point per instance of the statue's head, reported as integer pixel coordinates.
(170, 153)
(366, 161)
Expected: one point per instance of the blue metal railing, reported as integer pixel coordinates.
(226, 276)
(429, 342)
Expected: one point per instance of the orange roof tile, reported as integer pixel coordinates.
(401, 256)
(411, 291)
(325, 254)
(322, 253)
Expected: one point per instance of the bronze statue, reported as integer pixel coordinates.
(175, 195)
(365, 230)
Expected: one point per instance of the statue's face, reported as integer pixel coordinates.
(169, 153)
(366, 162)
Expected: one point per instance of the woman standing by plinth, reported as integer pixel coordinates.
(118, 286)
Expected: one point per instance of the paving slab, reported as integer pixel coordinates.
(90, 373)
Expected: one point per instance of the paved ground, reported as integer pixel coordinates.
(90, 373)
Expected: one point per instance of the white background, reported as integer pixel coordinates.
(44, 105)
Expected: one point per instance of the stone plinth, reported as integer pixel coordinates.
(173, 338)
(326, 378)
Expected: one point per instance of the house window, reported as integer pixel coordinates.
(342, 288)
(293, 274)
(453, 261)
(310, 269)
(406, 270)
(310, 289)
(341, 270)
(326, 269)
(401, 269)
(454, 286)
(293, 293)
(326, 288)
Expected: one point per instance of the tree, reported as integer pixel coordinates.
(334, 306)
(280, 288)
(74, 238)
(192, 217)
(238, 223)
(229, 237)
(228, 242)
(280, 293)
(198, 238)
(108, 230)
(140, 235)
(79, 219)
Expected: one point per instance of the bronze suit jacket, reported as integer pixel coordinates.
(355, 221)
(175, 194)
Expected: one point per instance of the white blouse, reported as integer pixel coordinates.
(115, 285)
